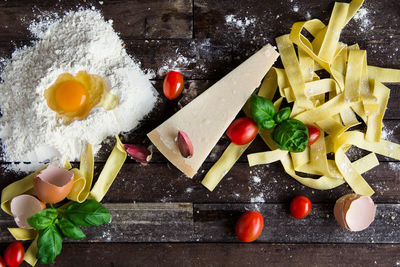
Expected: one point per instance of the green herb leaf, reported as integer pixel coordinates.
(291, 135)
(282, 115)
(262, 111)
(69, 229)
(88, 213)
(43, 219)
(49, 244)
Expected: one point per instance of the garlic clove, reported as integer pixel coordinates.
(138, 153)
(185, 145)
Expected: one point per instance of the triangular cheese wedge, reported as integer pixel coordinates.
(206, 118)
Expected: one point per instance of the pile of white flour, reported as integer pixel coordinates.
(80, 40)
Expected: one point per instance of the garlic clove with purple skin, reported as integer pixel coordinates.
(138, 153)
(185, 145)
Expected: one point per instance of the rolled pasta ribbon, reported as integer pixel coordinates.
(83, 177)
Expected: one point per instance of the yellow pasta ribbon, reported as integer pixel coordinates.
(266, 157)
(83, 177)
(353, 75)
(384, 75)
(231, 154)
(374, 123)
(293, 70)
(110, 170)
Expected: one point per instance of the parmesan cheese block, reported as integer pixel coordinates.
(206, 118)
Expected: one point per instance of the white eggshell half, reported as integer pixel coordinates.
(24, 206)
(360, 214)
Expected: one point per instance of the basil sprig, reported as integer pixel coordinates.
(291, 135)
(262, 111)
(52, 222)
(288, 134)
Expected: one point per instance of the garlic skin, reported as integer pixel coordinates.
(354, 212)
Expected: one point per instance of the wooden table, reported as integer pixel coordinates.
(162, 218)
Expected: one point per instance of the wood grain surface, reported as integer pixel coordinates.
(161, 217)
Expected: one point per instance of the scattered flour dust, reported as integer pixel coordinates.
(238, 23)
(79, 40)
(193, 59)
(362, 18)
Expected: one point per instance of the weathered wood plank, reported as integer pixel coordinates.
(216, 222)
(182, 222)
(137, 222)
(211, 254)
(133, 19)
(161, 182)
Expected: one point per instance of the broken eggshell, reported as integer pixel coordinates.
(53, 184)
(354, 212)
(24, 206)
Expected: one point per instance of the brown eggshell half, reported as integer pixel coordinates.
(24, 206)
(360, 214)
(53, 184)
(341, 207)
(354, 212)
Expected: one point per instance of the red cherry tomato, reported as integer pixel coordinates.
(313, 134)
(300, 207)
(173, 85)
(242, 131)
(249, 226)
(2, 262)
(14, 254)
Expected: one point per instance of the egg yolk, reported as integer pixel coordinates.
(71, 96)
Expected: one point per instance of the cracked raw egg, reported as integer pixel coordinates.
(73, 97)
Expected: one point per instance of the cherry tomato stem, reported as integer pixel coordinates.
(300, 207)
(173, 85)
(249, 226)
(242, 131)
(14, 254)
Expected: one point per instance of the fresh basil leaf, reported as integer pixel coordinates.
(262, 111)
(43, 218)
(282, 115)
(49, 244)
(69, 229)
(88, 213)
(291, 135)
